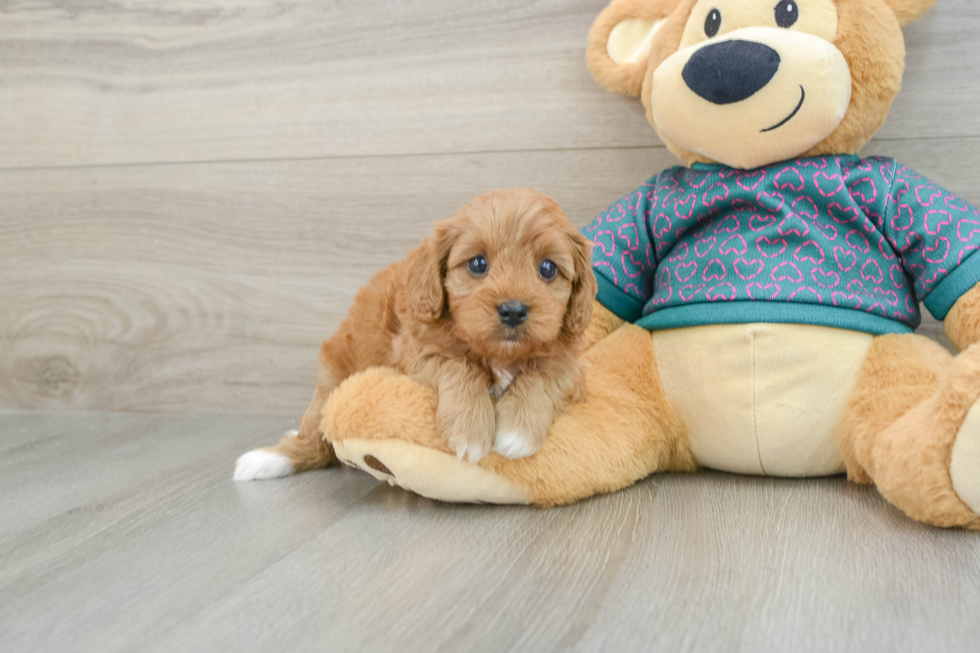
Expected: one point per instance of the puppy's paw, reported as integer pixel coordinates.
(521, 427)
(469, 432)
(262, 464)
(514, 444)
(471, 449)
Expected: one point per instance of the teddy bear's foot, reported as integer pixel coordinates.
(964, 465)
(959, 394)
(384, 423)
(428, 472)
(913, 428)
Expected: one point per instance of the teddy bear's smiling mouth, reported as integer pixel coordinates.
(790, 116)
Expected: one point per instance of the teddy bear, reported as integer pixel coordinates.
(756, 305)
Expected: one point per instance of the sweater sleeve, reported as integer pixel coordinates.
(935, 234)
(622, 255)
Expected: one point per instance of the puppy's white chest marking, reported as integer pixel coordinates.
(502, 378)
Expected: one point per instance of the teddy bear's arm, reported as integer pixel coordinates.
(935, 235)
(963, 321)
(623, 256)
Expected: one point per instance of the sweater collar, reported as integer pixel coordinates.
(706, 167)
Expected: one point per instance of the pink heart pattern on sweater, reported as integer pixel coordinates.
(868, 235)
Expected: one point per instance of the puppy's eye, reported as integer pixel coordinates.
(712, 23)
(787, 13)
(477, 266)
(548, 270)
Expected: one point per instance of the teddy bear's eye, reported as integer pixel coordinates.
(712, 23)
(787, 13)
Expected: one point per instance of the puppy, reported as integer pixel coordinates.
(490, 312)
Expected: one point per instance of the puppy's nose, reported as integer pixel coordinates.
(730, 71)
(512, 313)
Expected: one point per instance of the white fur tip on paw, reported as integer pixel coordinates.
(258, 465)
(470, 451)
(511, 444)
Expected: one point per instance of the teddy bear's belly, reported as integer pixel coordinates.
(762, 398)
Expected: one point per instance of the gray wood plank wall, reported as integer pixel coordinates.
(191, 193)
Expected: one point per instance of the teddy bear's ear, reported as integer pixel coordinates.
(909, 11)
(620, 42)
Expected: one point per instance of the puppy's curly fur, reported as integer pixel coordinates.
(432, 318)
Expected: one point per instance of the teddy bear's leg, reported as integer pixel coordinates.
(912, 409)
(384, 423)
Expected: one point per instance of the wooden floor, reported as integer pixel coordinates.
(123, 532)
(191, 192)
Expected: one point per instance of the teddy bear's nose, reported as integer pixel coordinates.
(730, 71)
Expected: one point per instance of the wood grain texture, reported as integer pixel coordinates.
(208, 287)
(136, 81)
(125, 532)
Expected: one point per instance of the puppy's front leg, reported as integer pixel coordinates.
(464, 416)
(529, 406)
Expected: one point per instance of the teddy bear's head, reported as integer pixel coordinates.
(748, 83)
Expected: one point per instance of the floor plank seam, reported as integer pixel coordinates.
(403, 155)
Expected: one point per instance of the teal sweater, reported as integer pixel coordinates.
(833, 241)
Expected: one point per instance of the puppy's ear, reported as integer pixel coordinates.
(584, 287)
(427, 273)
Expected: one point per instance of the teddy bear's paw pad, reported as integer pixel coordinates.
(376, 464)
(430, 473)
(262, 464)
(964, 466)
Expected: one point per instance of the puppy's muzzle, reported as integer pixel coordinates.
(513, 314)
(730, 71)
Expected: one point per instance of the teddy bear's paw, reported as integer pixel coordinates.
(962, 388)
(430, 473)
(964, 466)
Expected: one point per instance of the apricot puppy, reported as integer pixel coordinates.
(489, 311)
